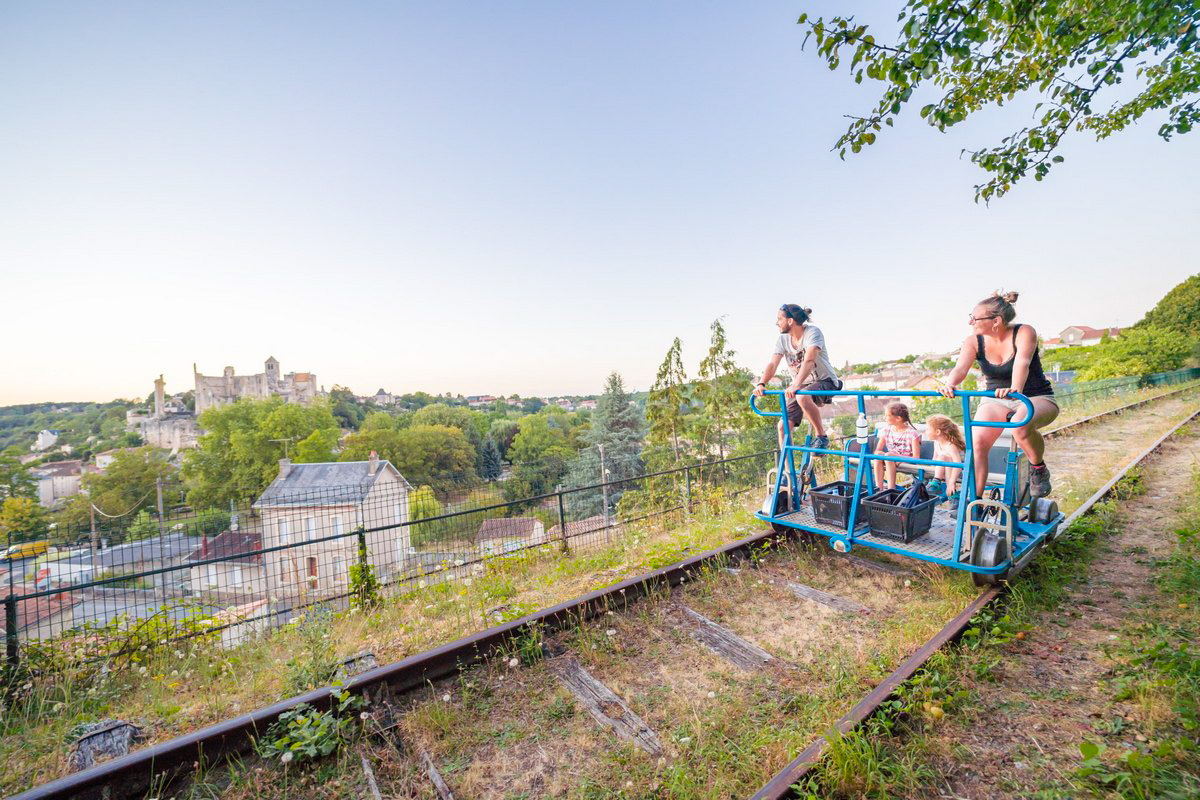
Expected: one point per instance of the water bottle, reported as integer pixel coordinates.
(861, 429)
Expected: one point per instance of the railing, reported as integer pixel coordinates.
(280, 561)
(864, 458)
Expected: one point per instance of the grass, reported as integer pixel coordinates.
(179, 688)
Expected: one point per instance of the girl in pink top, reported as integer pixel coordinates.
(899, 438)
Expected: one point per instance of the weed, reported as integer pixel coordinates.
(315, 662)
(304, 733)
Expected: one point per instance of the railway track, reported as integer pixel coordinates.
(683, 620)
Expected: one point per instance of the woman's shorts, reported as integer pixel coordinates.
(1015, 407)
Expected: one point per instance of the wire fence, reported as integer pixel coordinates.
(321, 534)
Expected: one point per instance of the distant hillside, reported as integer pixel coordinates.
(101, 423)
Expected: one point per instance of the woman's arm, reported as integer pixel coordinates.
(966, 357)
(1026, 344)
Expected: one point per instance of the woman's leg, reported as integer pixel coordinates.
(1027, 437)
(982, 440)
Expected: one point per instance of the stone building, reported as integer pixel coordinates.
(219, 390)
(324, 503)
(170, 426)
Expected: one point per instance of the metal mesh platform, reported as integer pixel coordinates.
(938, 543)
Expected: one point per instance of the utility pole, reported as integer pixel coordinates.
(95, 541)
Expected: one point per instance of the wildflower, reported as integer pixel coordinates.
(458, 562)
(611, 632)
(711, 695)
(446, 698)
(513, 663)
(286, 757)
(364, 716)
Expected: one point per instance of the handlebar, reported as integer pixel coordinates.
(897, 393)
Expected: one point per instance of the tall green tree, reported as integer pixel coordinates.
(15, 480)
(1068, 57)
(238, 454)
(22, 520)
(725, 410)
(492, 465)
(666, 408)
(502, 432)
(618, 427)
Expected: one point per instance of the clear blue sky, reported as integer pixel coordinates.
(510, 197)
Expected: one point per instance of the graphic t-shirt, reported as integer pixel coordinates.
(812, 337)
(900, 442)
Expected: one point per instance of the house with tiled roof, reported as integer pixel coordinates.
(238, 574)
(57, 480)
(1080, 336)
(506, 534)
(324, 504)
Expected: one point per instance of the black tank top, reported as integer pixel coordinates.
(999, 376)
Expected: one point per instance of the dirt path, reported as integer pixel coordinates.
(1082, 460)
(1048, 693)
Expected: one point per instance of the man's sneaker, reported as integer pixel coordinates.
(1039, 480)
(821, 443)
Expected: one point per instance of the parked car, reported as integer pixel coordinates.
(25, 550)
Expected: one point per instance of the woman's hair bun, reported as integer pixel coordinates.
(1008, 297)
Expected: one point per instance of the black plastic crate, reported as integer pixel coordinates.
(901, 524)
(832, 503)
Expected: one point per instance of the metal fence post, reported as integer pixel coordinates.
(687, 490)
(12, 644)
(562, 523)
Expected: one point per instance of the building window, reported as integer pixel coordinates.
(398, 511)
(311, 525)
(282, 528)
(337, 525)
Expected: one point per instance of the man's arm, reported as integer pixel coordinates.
(767, 374)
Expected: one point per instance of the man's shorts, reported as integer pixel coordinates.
(796, 414)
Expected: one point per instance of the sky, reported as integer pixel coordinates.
(498, 197)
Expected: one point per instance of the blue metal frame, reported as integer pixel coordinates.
(1025, 533)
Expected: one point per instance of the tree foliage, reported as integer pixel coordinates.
(238, 454)
(1178, 310)
(15, 480)
(666, 407)
(434, 455)
(129, 482)
(724, 410)
(618, 427)
(1138, 351)
(1070, 56)
(21, 520)
(490, 460)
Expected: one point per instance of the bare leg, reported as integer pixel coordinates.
(879, 474)
(1028, 437)
(811, 413)
(891, 474)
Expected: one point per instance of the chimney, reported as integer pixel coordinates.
(372, 464)
(285, 467)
